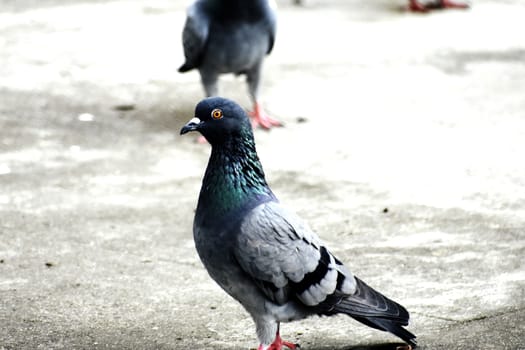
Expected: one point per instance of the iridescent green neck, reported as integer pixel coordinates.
(234, 181)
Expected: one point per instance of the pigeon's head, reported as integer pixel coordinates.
(219, 120)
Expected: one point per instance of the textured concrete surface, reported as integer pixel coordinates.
(403, 148)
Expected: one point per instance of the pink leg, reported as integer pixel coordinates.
(259, 117)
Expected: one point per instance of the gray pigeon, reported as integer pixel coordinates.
(230, 36)
(264, 255)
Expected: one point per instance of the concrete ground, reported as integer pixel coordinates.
(403, 148)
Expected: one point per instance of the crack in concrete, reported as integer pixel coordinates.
(473, 319)
(498, 314)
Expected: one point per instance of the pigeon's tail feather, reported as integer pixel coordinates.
(370, 307)
(389, 326)
(185, 67)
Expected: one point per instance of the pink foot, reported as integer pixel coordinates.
(404, 347)
(278, 344)
(448, 4)
(415, 6)
(259, 117)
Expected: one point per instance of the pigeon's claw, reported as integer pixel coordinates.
(260, 118)
(291, 346)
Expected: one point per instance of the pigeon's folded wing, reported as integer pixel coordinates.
(194, 35)
(286, 259)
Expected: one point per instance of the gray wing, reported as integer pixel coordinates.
(287, 260)
(194, 35)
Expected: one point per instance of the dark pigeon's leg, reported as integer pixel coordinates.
(209, 83)
(258, 115)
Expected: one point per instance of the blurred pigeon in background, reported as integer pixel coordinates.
(427, 5)
(263, 255)
(230, 36)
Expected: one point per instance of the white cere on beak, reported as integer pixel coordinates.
(194, 120)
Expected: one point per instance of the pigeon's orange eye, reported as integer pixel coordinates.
(216, 113)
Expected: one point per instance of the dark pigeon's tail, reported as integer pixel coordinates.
(370, 307)
(185, 67)
(389, 326)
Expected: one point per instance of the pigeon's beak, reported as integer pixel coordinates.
(192, 125)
